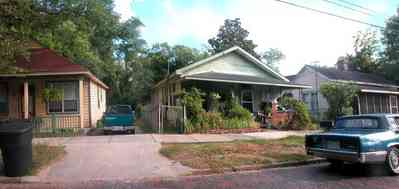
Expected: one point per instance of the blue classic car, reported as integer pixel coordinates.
(369, 138)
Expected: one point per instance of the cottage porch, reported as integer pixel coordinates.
(22, 98)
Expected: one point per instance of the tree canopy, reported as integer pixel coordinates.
(231, 34)
(339, 97)
(272, 57)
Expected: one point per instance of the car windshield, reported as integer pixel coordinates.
(120, 110)
(357, 123)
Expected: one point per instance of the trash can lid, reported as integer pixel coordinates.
(15, 127)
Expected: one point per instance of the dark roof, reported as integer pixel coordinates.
(290, 77)
(43, 60)
(235, 78)
(335, 74)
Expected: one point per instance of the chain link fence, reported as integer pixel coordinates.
(164, 119)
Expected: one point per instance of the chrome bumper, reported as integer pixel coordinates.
(365, 157)
(118, 128)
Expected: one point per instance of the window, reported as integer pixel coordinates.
(246, 100)
(357, 123)
(70, 101)
(3, 98)
(394, 122)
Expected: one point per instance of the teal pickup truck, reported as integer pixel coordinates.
(119, 118)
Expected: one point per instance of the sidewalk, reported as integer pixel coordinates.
(197, 138)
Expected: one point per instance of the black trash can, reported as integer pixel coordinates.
(16, 147)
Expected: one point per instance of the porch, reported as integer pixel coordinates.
(22, 98)
(252, 93)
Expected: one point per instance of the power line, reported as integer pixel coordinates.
(346, 7)
(356, 5)
(330, 14)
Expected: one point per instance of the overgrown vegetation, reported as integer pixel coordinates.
(339, 97)
(233, 116)
(217, 156)
(301, 119)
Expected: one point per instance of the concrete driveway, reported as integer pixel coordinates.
(116, 157)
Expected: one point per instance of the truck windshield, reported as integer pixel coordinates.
(120, 110)
(357, 123)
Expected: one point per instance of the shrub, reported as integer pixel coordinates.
(239, 112)
(301, 119)
(207, 120)
(192, 99)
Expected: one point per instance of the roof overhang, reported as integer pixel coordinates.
(379, 91)
(37, 74)
(366, 83)
(295, 86)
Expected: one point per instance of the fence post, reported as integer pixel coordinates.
(184, 118)
(53, 122)
(159, 119)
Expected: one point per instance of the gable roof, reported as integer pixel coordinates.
(241, 52)
(45, 62)
(351, 76)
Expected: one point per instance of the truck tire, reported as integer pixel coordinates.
(392, 161)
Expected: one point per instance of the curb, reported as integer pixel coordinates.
(258, 167)
(19, 180)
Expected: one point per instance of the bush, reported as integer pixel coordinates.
(193, 102)
(301, 119)
(239, 112)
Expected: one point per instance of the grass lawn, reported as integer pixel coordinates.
(43, 155)
(217, 156)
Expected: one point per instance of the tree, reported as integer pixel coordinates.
(165, 59)
(390, 39)
(365, 57)
(232, 34)
(339, 97)
(272, 57)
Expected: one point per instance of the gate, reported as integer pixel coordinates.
(165, 119)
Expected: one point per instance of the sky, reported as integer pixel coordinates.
(304, 37)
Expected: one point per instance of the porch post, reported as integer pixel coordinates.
(358, 105)
(81, 104)
(26, 100)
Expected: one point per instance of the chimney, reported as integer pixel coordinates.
(344, 65)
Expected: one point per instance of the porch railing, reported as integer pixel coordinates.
(56, 126)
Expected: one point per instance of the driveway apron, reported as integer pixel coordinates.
(117, 157)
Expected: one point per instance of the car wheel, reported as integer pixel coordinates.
(335, 164)
(392, 161)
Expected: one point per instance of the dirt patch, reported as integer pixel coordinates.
(43, 155)
(218, 156)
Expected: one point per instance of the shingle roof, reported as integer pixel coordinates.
(335, 74)
(44, 60)
(235, 78)
(290, 77)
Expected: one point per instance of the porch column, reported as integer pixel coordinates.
(26, 100)
(81, 103)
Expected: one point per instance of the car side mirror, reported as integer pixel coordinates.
(327, 125)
